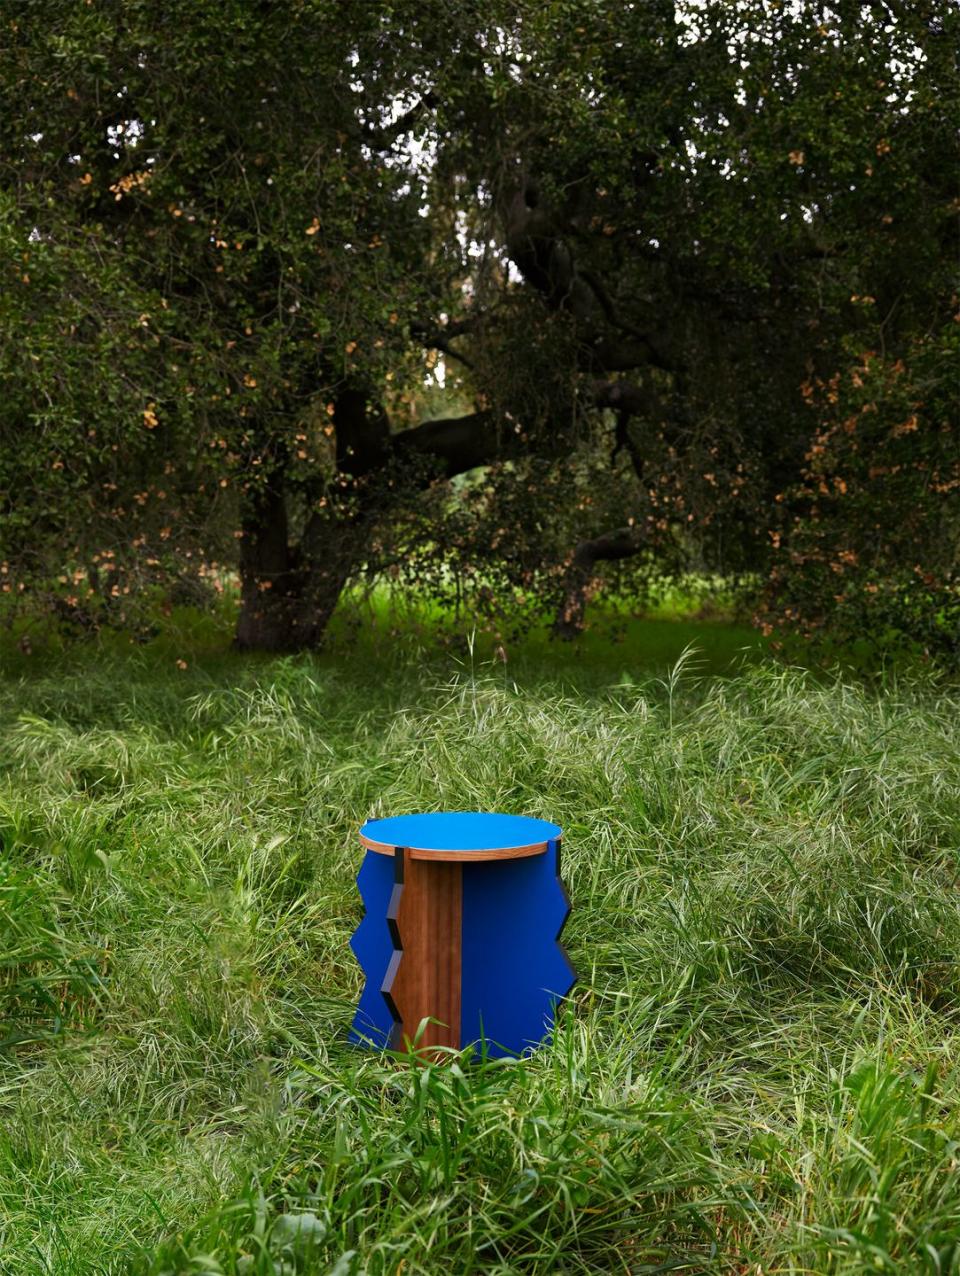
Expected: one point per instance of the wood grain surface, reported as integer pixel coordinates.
(423, 980)
(454, 856)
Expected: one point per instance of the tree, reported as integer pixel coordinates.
(721, 203)
(213, 196)
(871, 548)
(630, 230)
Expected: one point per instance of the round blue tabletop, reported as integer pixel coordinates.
(456, 835)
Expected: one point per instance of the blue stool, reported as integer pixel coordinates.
(463, 916)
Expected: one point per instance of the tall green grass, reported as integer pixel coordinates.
(758, 1070)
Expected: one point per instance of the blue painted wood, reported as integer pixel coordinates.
(373, 947)
(513, 967)
(459, 831)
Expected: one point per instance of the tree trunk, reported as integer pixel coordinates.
(288, 594)
(579, 576)
(270, 586)
(313, 611)
(569, 620)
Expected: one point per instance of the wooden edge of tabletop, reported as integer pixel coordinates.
(488, 853)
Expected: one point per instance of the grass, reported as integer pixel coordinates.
(759, 1068)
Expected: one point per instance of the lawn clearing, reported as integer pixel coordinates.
(759, 1067)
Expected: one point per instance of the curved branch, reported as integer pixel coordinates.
(386, 136)
(546, 261)
(439, 338)
(459, 443)
(613, 546)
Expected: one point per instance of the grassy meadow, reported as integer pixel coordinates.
(758, 1071)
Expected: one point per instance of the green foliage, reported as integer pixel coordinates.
(759, 1063)
(874, 542)
(193, 259)
(229, 231)
(746, 196)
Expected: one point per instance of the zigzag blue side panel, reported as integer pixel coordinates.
(373, 949)
(514, 970)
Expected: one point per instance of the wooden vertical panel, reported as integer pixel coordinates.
(423, 980)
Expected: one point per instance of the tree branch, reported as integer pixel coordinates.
(383, 138)
(544, 258)
(613, 546)
(622, 542)
(439, 338)
(460, 443)
(624, 396)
